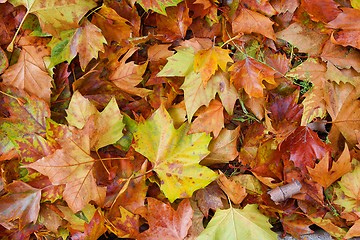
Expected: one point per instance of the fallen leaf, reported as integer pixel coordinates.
(166, 223)
(86, 41)
(72, 165)
(209, 120)
(207, 61)
(22, 202)
(223, 149)
(209, 197)
(304, 148)
(235, 191)
(249, 74)
(29, 73)
(232, 223)
(324, 11)
(125, 226)
(349, 33)
(158, 6)
(174, 154)
(175, 23)
(248, 21)
(128, 75)
(173, 68)
(56, 16)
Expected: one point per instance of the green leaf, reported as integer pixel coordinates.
(179, 65)
(158, 5)
(174, 154)
(238, 224)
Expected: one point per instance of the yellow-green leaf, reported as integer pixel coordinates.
(179, 65)
(158, 5)
(238, 224)
(174, 154)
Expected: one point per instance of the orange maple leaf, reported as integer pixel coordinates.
(249, 74)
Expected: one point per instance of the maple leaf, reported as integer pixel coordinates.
(27, 118)
(206, 62)
(72, 165)
(340, 56)
(22, 202)
(56, 16)
(181, 64)
(209, 120)
(324, 175)
(174, 154)
(209, 198)
(166, 223)
(349, 193)
(29, 73)
(175, 24)
(113, 26)
(305, 39)
(349, 33)
(248, 21)
(223, 148)
(125, 226)
(4, 62)
(328, 226)
(92, 229)
(343, 106)
(249, 74)
(127, 75)
(354, 231)
(108, 124)
(232, 223)
(235, 191)
(304, 147)
(324, 11)
(158, 6)
(86, 41)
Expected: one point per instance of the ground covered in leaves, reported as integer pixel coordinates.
(171, 119)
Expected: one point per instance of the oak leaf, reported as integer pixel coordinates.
(249, 74)
(86, 41)
(22, 202)
(324, 175)
(207, 61)
(209, 120)
(174, 154)
(165, 222)
(232, 223)
(29, 73)
(56, 16)
(248, 21)
(72, 165)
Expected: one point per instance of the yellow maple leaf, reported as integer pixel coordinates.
(207, 61)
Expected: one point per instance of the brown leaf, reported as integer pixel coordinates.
(167, 223)
(324, 175)
(235, 191)
(248, 21)
(29, 73)
(175, 24)
(249, 74)
(209, 120)
(209, 198)
(22, 202)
